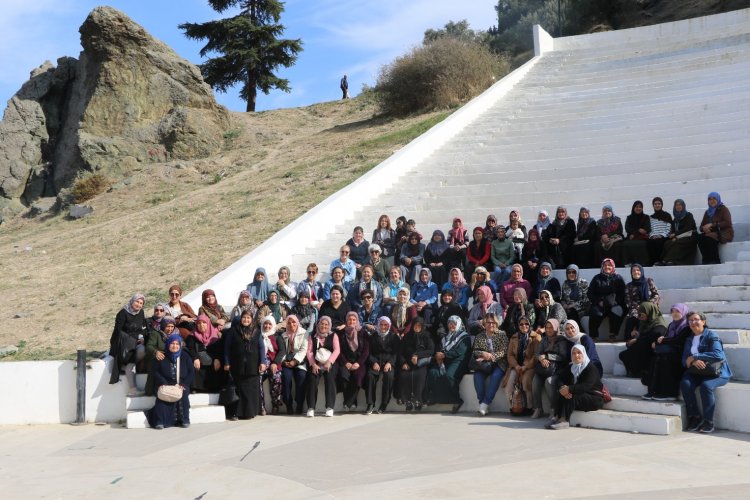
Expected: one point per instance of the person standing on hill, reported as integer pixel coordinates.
(344, 87)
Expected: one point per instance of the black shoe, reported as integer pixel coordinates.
(185, 425)
(233, 418)
(418, 406)
(290, 410)
(707, 427)
(648, 396)
(159, 427)
(409, 406)
(694, 423)
(369, 409)
(381, 410)
(457, 406)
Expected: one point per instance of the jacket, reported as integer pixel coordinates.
(710, 348)
(301, 339)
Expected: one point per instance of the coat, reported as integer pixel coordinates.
(529, 355)
(722, 229)
(347, 355)
(126, 324)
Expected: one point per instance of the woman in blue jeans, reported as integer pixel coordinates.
(490, 361)
(701, 348)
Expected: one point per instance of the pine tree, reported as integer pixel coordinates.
(249, 46)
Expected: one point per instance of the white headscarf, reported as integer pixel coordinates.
(577, 368)
(267, 335)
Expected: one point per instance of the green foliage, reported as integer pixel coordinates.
(457, 30)
(444, 73)
(87, 187)
(249, 48)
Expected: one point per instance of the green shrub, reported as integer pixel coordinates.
(443, 74)
(87, 187)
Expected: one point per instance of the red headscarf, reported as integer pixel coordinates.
(487, 302)
(456, 235)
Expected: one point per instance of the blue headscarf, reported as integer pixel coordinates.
(437, 248)
(712, 210)
(259, 289)
(173, 355)
(641, 283)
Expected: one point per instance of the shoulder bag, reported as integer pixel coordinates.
(171, 393)
(712, 369)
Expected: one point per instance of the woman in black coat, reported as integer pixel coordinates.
(245, 361)
(558, 238)
(354, 351)
(415, 353)
(165, 414)
(637, 356)
(127, 345)
(580, 390)
(665, 371)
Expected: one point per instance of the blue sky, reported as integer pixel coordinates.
(355, 37)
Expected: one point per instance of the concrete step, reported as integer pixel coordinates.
(730, 280)
(145, 402)
(638, 405)
(718, 306)
(198, 415)
(739, 361)
(712, 293)
(640, 423)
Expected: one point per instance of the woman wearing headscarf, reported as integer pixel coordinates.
(390, 291)
(515, 216)
(558, 238)
(662, 378)
(306, 312)
(412, 256)
(352, 361)
(273, 307)
(183, 314)
(480, 278)
(244, 303)
(520, 308)
(522, 350)
(458, 239)
(546, 281)
(322, 352)
(246, 361)
(716, 227)
(294, 343)
(574, 297)
(637, 355)
(490, 226)
(154, 321)
(259, 287)
(516, 281)
(275, 353)
(586, 236)
(532, 255)
(156, 348)
(580, 391)
(489, 350)
(415, 353)
(437, 258)
(552, 356)
(458, 285)
(385, 237)
(661, 223)
(448, 307)
(609, 236)
(403, 313)
(548, 309)
(381, 362)
(400, 238)
(127, 343)
(574, 335)
(366, 282)
(607, 296)
(682, 241)
(640, 289)
(424, 295)
(503, 255)
(483, 305)
(210, 308)
(175, 368)
(542, 222)
(477, 253)
(286, 287)
(450, 364)
(207, 350)
(637, 228)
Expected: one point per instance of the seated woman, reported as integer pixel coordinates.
(574, 297)
(345, 263)
(244, 303)
(639, 290)
(449, 366)
(516, 281)
(294, 364)
(337, 279)
(716, 228)
(607, 296)
(682, 241)
(574, 336)
(661, 224)
(558, 238)
(385, 237)
(183, 314)
(381, 362)
(551, 358)
(516, 235)
(477, 253)
(412, 257)
(458, 239)
(390, 291)
(545, 281)
(358, 248)
(437, 258)
(156, 348)
(542, 222)
(127, 343)
(336, 309)
(638, 229)
(701, 349)
(275, 353)
(273, 307)
(502, 256)
(582, 251)
(154, 322)
(415, 353)
(481, 278)
(637, 355)
(489, 228)
(259, 287)
(581, 389)
(310, 285)
(520, 308)
(662, 378)
(286, 287)
(515, 216)
(403, 314)
(609, 236)
(352, 360)
(490, 361)
(380, 266)
(322, 352)
(531, 257)
(521, 354)
(175, 368)
(483, 305)
(246, 361)
(368, 314)
(548, 309)
(448, 307)
(365, 282)
(459, 288)
(211, 309)
(400, 238)
(305, 312)
(207, 351)
(424, 295)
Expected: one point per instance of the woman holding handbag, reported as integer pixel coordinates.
(172, 374)
(488, 361)
(415, 354)
(322, 352)
(521, 353)
(246, 362)
(127, 343)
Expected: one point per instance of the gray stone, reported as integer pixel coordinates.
(8, 350)
(80, 211)
(20, 315)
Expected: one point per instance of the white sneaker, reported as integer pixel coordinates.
(311, 412)
(329, 412)
(483, 409)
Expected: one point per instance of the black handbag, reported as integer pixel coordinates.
(712, 369)
(483, 366)
(228, 395)
(664, 349)
(126, 348)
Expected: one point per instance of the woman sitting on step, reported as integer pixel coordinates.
(415, 354)
(580, 390)
(574, 336)
(489, 360)
(449, 366)
(522, 350)
(607, 296)
(640, 289)
(663, 375)
(206, 347)
(637, 355)
(552, 356)
(682, 241)
(574, 298)
(609, 236)
(716, 227)
(175, 368)
(638, 228)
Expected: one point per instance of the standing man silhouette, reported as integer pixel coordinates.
(344, 87)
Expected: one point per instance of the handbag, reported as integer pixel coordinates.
(712, 369)
(171, 393)
(228, 395)
(205, 358)
(604, 393)
(322, 355)
(664, 349)
(518, 400)
(125, 348)
(482, 366)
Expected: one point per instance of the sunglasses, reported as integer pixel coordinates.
(310, 272)
(524, 324)
(174, 294)
(159, 310)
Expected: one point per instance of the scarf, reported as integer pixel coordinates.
(577, 334)
(712, 210)
(289, 332)
(303, 311)
(267, 335)
(577, 368)
(351, 332)
(211, 334)
(555, 324)
(541, 225)
(457, 235)
(532, 245)
(246, 331)
(583, 224)
(399, 311)
(453, 338)
(173, 356)
(129, 306)
(437, 248)
(321, 334)
(487, 301)
(216, 309)
(661, 214)
(259, 289)
(676, 327)
(387, 320)
(608, 225)
(641, 283)
(274, 308)
(573, 285)
(653, 317)
(679, 214)
(558, 221)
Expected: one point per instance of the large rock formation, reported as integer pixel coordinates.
(129, 99)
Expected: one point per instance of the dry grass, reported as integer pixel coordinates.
(67, 279)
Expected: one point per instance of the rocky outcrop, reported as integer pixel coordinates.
(128, 100)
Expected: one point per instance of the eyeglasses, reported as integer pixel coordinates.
(159, 310)
(310, 272)
(174, 294)
(524, 324)
(344, 253)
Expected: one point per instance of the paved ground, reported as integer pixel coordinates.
(414, 456)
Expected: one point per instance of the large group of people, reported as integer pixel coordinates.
(417, 317)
